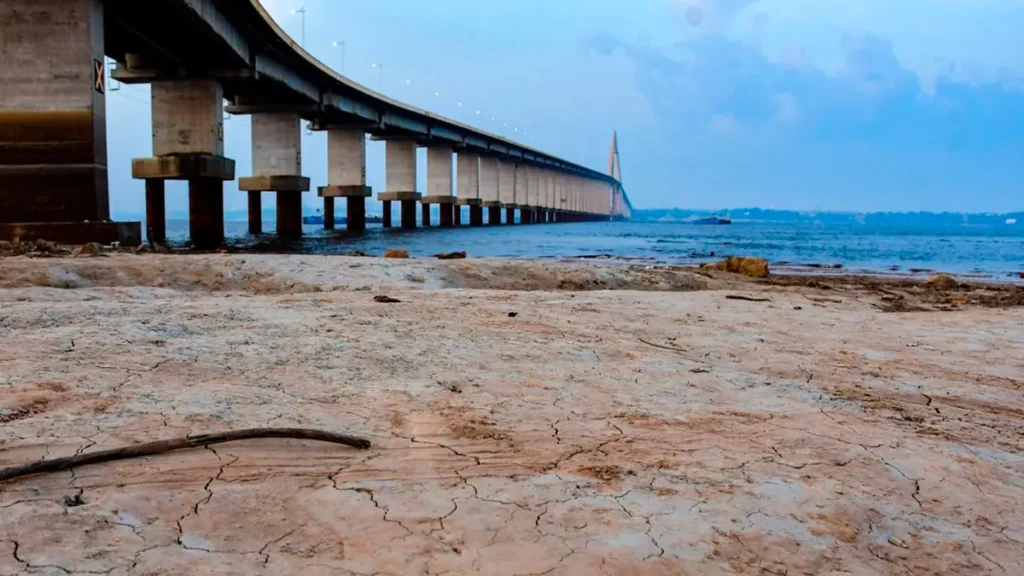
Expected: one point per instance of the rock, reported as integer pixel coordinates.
(942, 283)
(395, 253)
(47, 247)
(382, 299)
(89, 249)
(451, 255)
(513, 314)
(358, 254)
(753, 267)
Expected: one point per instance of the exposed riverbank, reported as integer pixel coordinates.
(527, 417)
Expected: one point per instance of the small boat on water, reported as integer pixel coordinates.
(318, 219)
(713, 221)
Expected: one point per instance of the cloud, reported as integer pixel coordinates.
(869, 133)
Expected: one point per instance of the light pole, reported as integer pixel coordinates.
(302, 11)
(341, 44)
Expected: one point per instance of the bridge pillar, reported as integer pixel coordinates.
(277, 167)
(53, 138)
(439, 184)
(469, 186)
(346, 177)
(532, 194)
(519, 186)
(188, 144)
(489, 189)
(400, 165)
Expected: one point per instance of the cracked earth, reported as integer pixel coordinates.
(650, 428)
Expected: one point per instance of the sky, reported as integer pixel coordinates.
(871, 105)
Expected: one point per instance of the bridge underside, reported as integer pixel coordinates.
(197, 53)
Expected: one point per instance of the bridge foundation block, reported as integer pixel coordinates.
(346, 175)
(355, 204)
(188, 143)
(277, 164)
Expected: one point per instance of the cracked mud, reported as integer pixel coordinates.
(649, 429)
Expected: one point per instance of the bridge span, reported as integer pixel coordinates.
(195, 54)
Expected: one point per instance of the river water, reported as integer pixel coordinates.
(995, 252)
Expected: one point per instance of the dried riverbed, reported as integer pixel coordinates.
(527, 418)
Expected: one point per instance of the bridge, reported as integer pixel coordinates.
(195, 54)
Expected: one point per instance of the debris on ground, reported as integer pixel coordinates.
(942, 283)
(747, 266)
(382, 299)
(88, 249)
(451, 255)
(396, 253)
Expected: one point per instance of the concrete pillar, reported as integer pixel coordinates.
(346, 176)
(506, 188)
(439, 171)
(156, 215)
(387, 215)
(277, 167)
(521, 182)
(400, 165)
(489, 178)
(457, 214)
(439, 184)
(532, 192)
(469, 187)
(469, 175)
(255, 212)
(188, 144)
(53, 138)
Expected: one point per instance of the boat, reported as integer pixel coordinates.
(713, 221)
(317, 218)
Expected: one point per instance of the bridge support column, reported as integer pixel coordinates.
(476, 214)
(510, 214)
(400, 163)
(425, 215)
(255, 212)
(457, 214)
(346, 176)
(439, 185)
(53, 138)
(409, 214)
(188, 144)
(156, 212)
(277, 167)
(386, 217)
(494, 215)
(328, 213)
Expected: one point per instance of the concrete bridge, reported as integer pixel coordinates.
(196, 54)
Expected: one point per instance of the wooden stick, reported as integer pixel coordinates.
(747, 298)
(161, 446)
(663, 347)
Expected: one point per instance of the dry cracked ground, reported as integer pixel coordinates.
(526, 418)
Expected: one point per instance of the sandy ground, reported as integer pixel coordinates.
(622, 422)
